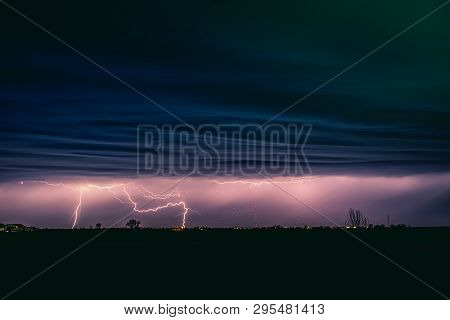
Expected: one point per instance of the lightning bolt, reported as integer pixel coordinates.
(150, 195)
(49, 184)
(251, 183)
(78, 208)
(181, 204)
(259, 183)
(120, 191)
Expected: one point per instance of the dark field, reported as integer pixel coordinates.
(226, 264)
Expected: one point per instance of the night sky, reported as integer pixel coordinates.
(381, 131)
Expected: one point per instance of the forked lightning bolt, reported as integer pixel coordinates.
(122, 193)
(182, 204)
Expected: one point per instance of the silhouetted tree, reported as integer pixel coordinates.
(98, 225)
(133, 224)
(356, 219)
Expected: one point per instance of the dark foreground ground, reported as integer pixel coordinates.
(226, 264)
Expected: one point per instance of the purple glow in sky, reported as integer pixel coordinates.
(222, 202)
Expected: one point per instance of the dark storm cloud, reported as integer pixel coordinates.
(223, 63)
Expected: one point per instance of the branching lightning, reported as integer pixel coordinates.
(251, 183)
(181, 204)
(122, 193)
(138, 198)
